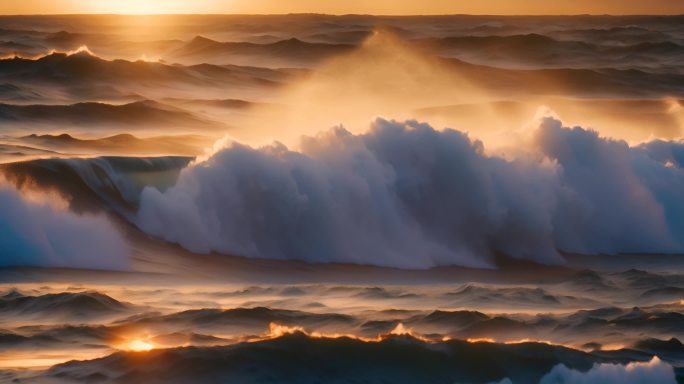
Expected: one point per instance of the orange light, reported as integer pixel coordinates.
(480, 340)
(277, 330)
(139, 346)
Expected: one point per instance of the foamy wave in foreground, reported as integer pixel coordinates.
(407, 195)
(40, 232)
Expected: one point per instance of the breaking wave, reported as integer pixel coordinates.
(45, 234)
(407, 195)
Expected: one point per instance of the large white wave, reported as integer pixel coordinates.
(38, 232)
(407, 195)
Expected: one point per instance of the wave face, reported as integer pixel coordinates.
(97, 184)
(45, 235)
(407, 195)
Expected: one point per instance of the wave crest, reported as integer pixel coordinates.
(407, 195)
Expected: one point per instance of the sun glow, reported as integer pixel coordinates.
(137, 7)
(139, 346)
(401, 7)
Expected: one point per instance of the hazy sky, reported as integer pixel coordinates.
(345, 6)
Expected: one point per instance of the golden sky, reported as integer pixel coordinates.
(503, 7)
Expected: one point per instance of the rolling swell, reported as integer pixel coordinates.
(99, 114)
(76, 306)
(292, 51)
(85, 68)
(297, 358)
(540, 50)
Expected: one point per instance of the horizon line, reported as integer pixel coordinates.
(348, 14)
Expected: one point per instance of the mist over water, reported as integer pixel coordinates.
(407, 194)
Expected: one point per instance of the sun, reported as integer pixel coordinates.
(139, 346)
